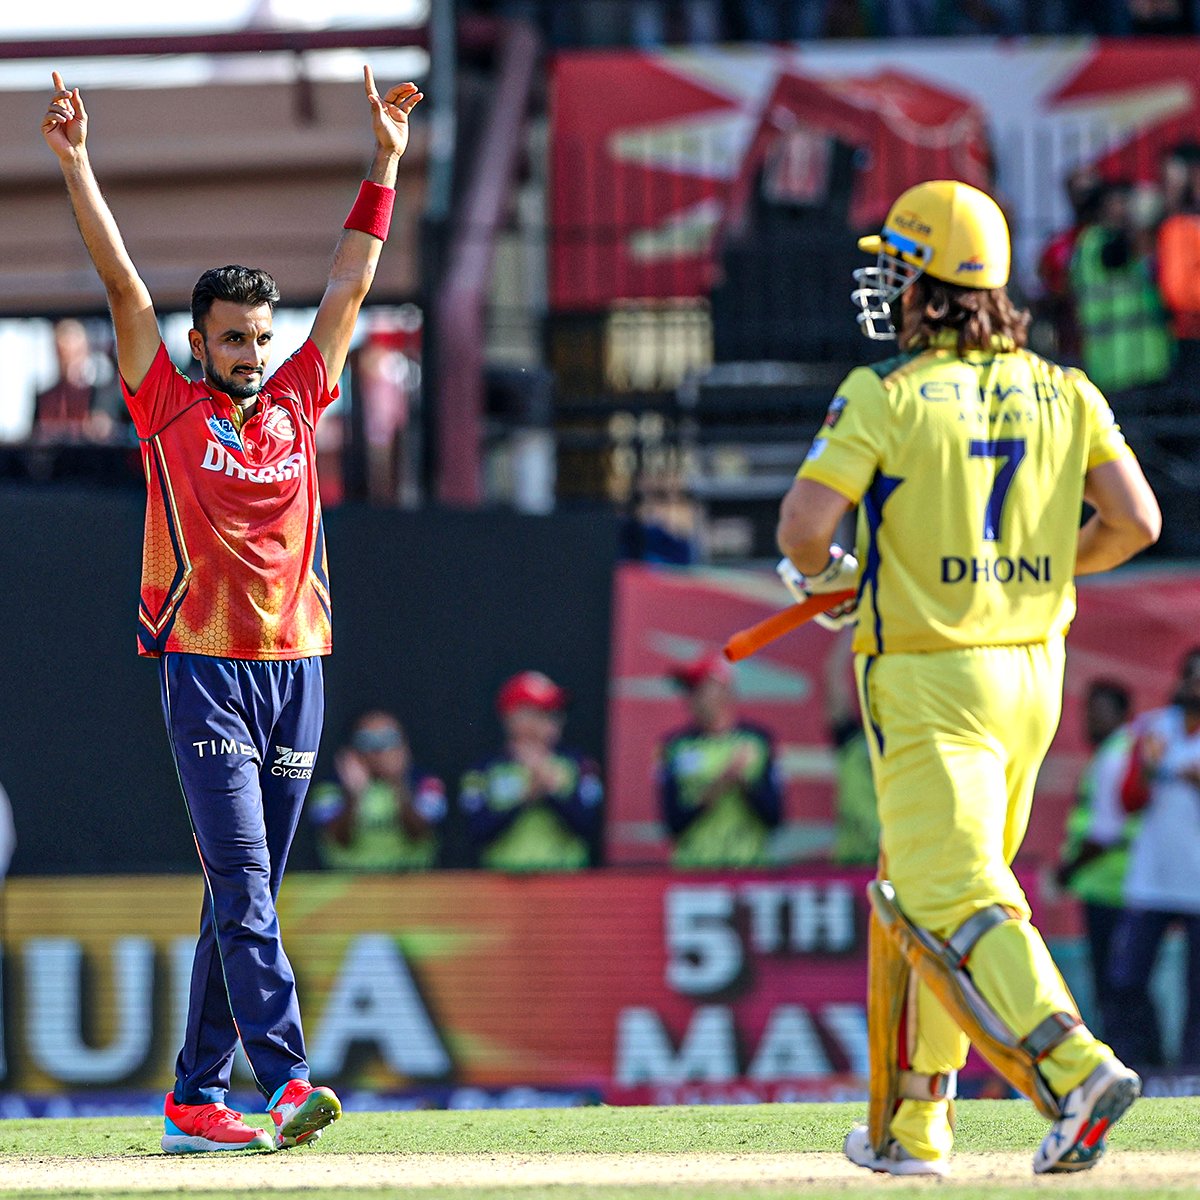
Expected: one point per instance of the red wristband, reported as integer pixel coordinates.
(372, 211)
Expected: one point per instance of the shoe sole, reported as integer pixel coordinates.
(908, 1167)
(320, 1109)
(178, 1143)
(917, 1167)
(1089, 1147)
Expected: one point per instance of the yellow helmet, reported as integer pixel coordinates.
(943, 228)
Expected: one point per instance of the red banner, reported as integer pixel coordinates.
(649, 182)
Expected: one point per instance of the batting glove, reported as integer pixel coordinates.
(839, 574)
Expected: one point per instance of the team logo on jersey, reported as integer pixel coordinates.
(834, 413)
(279, 422)
(293, 764)
(224, 430)
(216, 458)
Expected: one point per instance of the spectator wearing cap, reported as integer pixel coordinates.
(382, 814)
(535, 806)
(718, 787)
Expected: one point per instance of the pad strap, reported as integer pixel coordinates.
(963, 940)
(914, 1086)
(1049, 1033)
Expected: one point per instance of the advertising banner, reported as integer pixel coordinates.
(618, 986)
(648, 186)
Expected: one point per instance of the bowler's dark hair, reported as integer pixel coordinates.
(976, 315)
(241, 285)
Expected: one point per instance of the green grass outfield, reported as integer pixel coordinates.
(121, 1148)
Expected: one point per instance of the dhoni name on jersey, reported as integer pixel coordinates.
(969, 474)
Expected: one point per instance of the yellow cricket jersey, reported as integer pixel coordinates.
(969, 475)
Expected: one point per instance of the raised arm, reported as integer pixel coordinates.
(357, 251)
(65, 129)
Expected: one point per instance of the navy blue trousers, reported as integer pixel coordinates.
(244, 735)
(1135, 1034)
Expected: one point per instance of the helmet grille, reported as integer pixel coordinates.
(878, 289)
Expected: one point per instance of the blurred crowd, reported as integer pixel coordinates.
(1131, 857)
(536, 804)
(72, 400)
(1121, 286)
(648, 23)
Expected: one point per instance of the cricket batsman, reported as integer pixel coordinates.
(968, 458)
(235, 606)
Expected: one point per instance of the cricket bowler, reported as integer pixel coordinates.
(968, 458)
(235, 606)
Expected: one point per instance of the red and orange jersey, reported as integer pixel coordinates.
(233, 563)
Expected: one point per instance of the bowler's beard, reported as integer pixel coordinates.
(239, 389)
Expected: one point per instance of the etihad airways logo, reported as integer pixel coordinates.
(293, 764)
(217, 458)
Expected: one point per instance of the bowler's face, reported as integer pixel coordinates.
(234, 346)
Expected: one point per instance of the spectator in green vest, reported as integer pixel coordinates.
(382, 814)
(856, 811)
(535, 806)
(1095, 856)
(1122, 321)
(718, 788)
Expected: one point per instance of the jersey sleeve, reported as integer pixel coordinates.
(303, 376)
(849, 445)
(1105, 441)
(161, 395)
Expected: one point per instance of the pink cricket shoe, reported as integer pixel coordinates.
(197, 1128)
(300, 1111)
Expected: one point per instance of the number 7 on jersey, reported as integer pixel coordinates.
(1012, 451)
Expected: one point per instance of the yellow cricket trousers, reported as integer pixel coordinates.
(957, 737)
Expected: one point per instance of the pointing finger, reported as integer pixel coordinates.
(59, 86)
(369, 80)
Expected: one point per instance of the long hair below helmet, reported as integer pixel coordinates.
(977, 316)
